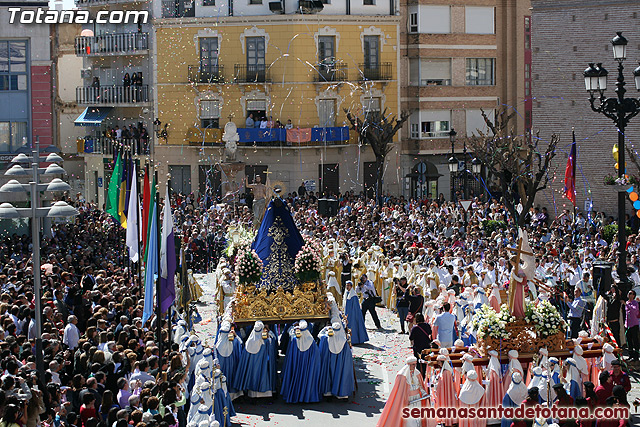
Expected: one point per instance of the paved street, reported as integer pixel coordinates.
(377, 363)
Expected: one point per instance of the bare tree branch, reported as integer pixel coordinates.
(378, 130)
(515, 160)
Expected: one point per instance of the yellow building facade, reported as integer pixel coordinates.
(295, 69)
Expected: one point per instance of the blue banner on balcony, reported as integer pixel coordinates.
(262, 135)
(331, 134)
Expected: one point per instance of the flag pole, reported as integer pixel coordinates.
(140, 255)
(573, 165)
(126, 261)
(158, 286)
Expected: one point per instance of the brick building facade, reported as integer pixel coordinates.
(458, 58)
(566, 36)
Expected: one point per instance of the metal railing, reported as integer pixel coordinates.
(251, 73)
(120, 43)
(211, 74)
(332, 72)
(380, 71)
(106, 145)
(112, 94)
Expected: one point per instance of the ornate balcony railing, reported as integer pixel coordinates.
(105, 145)
(380, 71)
(332, 72)
(251, 73)
(112, 44)
(106, 95)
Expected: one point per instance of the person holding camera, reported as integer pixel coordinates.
(370, 299)
(402, 304)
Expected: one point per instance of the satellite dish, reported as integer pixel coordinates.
(87, 33)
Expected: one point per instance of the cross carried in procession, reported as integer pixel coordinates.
(516, 289)
(519, 251)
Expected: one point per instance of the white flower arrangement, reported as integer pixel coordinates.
(488, 323)
(248, 267)
(308, 263)
(545, 317)
(238, 237)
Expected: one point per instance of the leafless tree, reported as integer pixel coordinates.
(520, 162)
(378, 130)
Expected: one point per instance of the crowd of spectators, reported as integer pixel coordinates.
(104, 368)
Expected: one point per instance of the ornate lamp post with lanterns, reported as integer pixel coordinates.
(620, 110)
(58, 210)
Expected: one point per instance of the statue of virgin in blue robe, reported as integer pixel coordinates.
(277, 243)
(301, 373)
(336, 363)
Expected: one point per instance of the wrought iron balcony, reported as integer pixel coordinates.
(106, 145)
(206, 75)
(112, 44)
(251, 73)
(380, 71)
(111, 95)
(332, 72)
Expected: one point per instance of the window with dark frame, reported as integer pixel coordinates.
(413, 22)
(369, 2)
(208, 2)
(13, 65)
(480, 72)
(371, 52)
(12, 136)
(209, 56)
(255, 1)
(326, 49)
(210, 114)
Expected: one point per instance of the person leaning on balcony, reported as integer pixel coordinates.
(126, 82)
(270, 123)
(249, 123)
(289, 125)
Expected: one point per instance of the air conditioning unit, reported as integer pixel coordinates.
(85, 73)
(275, 7)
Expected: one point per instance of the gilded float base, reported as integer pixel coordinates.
(308, 301)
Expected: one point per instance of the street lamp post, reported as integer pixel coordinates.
(35, 212)
(621, 110)
(453, 162)
(465, 193)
